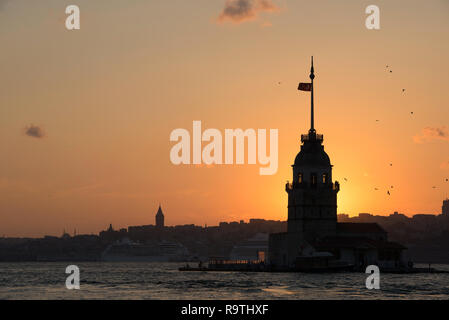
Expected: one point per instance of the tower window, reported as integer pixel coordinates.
(324, 177)
(313, 178)
(300, 178)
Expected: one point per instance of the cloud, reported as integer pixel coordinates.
(429, 134)
(34, 131)
(238, 11)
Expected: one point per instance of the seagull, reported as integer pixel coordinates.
(391, 164)
(377, 120)
(345, 179)
(411, 112)
(376, 189)
(434, 187)
(391, 71)
(388, 192)
(391, 187)
(403, 90)
(447, 179)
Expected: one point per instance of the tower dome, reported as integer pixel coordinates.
(312, 154)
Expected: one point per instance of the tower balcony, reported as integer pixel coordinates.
(304, 185)
(311, 136)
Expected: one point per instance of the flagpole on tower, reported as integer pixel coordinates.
(312, 76)
(309, 87)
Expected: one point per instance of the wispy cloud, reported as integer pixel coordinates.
(238, 11)
(429, 134)
(34, 131)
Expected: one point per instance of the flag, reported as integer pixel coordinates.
(305, 86)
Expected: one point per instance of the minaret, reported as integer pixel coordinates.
(312, 196)
(159, 218)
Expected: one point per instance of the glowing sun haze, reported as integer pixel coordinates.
(103, 100)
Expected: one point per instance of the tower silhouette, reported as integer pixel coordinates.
(159, 218)
(312, 196)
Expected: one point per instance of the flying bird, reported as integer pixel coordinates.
(388, 192)
(411, 112)
(376, 189)
(391, 164)
(345, 179)
(403, 90)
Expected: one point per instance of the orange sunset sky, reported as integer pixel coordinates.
(86, 115)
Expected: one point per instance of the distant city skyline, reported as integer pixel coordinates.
(341, 217)
(86, 115)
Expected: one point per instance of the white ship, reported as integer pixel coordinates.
(128, 251)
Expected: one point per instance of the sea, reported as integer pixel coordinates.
(153, 280)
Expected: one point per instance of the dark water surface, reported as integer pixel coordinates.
(140, 280)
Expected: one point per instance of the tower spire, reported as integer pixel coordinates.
(312, 76)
